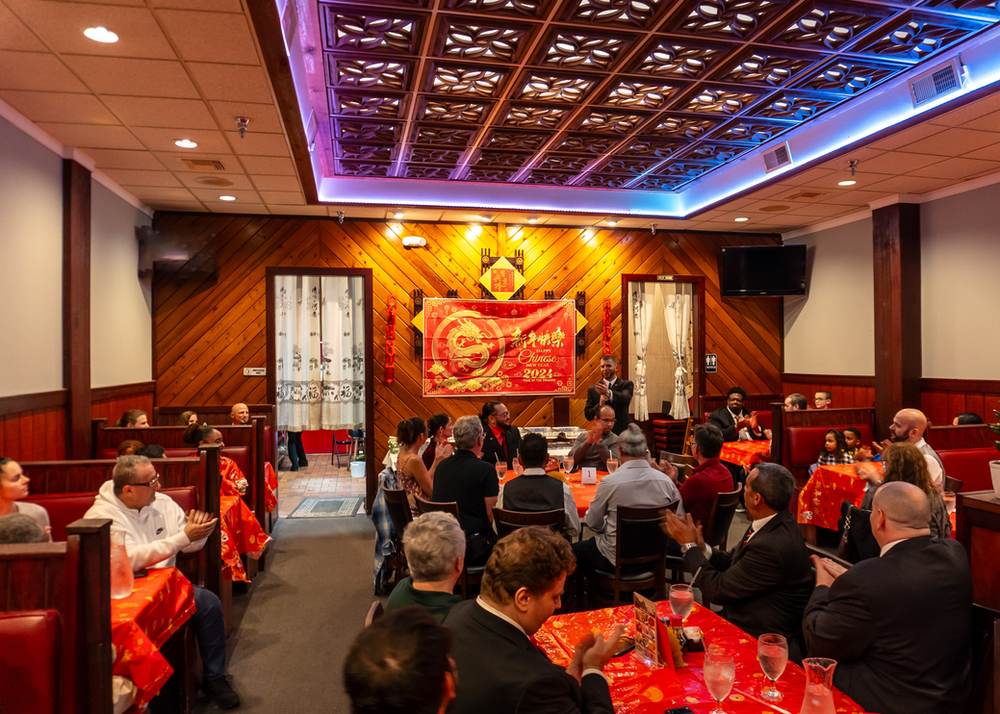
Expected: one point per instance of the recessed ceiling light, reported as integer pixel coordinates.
(741, 219)
(185, 143)
(846, 183)
(227, 198)
(612, 222)
(101, 34)
(398, 214)
(532, 219)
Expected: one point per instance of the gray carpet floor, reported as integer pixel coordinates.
(295, 626)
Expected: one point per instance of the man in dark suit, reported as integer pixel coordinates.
(898, 625)
(763, 584)
(616, 393)
(501, 440)
(733, 419)
(500, 670)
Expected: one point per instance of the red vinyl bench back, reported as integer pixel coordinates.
(29, 661)
(805, 443)
(971, 466)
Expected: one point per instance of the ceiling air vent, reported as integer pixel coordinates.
(204, 164)
(801, 195)
(933, 83)
(776, 158)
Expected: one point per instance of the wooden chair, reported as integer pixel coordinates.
(470, 575)
(374, 612)
(813, 550)
(953, 484)
(716, 531)
(685, 464)
(401, 516)
(640, 541)
(509, 521)
(984, 697)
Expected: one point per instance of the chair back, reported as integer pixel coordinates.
(398, 508)
(953, 484)
(985, 640)
(424, 506)
(716, 531)
(678, 459)
(509, 521)
(374, 612)
(640, 538)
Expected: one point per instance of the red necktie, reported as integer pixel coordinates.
(746, 538)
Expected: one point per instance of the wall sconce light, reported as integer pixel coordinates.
(414, 242)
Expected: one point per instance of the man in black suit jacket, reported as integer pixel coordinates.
(898, 625)
(764, 582)
(616, 393)
(733, 419)
(500, 671)
(501, 440)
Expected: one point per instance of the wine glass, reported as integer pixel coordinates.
(772, 653)
(567, 464)
(681, 600)
(612, 465)
(720, 674)
(501, 470)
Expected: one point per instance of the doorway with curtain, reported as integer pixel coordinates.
(320, 375)
(663, 344)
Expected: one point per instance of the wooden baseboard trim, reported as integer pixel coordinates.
(122, 391)
(845, 380)
(17, 403)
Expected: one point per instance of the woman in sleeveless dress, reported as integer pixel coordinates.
(415, 478)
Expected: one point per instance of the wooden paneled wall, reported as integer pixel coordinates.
(942, 399)
(209, 325)
(112, 402)
(35, 434)
(847, 391)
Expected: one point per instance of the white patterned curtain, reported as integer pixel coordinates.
(643, 300)
(298, 373)
(343, 352)
(677, 313)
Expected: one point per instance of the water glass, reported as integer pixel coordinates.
(567, 464)
(612, 465)
(501, 469)
(681, 600)
(720, 675)
(949, 501)
(772, 653)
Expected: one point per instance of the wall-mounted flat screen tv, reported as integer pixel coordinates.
(754, 270)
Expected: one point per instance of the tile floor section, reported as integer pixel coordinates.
(320, 479)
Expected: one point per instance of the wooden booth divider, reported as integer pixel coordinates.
(72, 578)
(753, 403)
(966, 436)
(781, 421)
(218, 415)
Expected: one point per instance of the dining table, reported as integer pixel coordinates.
(160, 604)
(583, 494)
(638, 689)
(746, 453)
(827, 488)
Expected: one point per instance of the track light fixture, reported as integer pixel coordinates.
(652, 228)
(340, 216)
(241, 125)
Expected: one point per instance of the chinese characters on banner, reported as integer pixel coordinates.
(487, 347)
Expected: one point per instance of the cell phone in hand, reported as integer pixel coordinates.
(678, 710)
(140, 573)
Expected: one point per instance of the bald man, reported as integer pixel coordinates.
(909, 425)
(898, 625)
(240, 414)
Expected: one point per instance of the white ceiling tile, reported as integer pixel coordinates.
(973, 110)
(149, 193)
(285, 210)
(263, 117)
(897, 162)
(59, 107)
(186, 206)
(37, 71)
(987, 122)
(100, 136)
(257, 144)
(957, 168)
(60, 25)
(15, 35)
(174, 161)
(237, 182)
(242, 197)
(276, 183)
(235, 83)
(234, 207)
(114, 159)
(211, 5)
(133, 77)
(282, 197)
(855, 198)
(271, 165)
(907, 184)
(990, 153)
(210, 36)
(130, 177)
(209, 142)
(952, 142)
(906, 136)
(158, 112)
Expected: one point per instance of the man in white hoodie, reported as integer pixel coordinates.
(155, 530)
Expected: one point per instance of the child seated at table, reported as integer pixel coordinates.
(852, 436)
(835, 450)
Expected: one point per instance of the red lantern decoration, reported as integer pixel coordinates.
(390, 340)
(607, 327)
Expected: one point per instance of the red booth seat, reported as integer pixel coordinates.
(805, 443)
(971, 466)
(29, 661)
(239, 454)
(64, 508)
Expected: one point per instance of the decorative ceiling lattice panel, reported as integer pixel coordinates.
(637, 94)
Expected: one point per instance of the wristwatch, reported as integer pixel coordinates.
(688, 546)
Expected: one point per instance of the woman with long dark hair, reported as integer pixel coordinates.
(414, 477)
(439, 428)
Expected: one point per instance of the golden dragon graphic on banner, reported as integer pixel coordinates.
(488, 347)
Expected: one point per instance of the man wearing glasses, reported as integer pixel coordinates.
(595, 447)
(156, 530)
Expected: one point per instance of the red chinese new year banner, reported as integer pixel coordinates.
(488, 347)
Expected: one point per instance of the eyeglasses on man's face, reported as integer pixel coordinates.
(152, 483)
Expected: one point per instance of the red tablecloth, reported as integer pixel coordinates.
(637, 690)
(241, 533)
(827, 488)
(583, 495)
(746, 453)
(159, 604)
